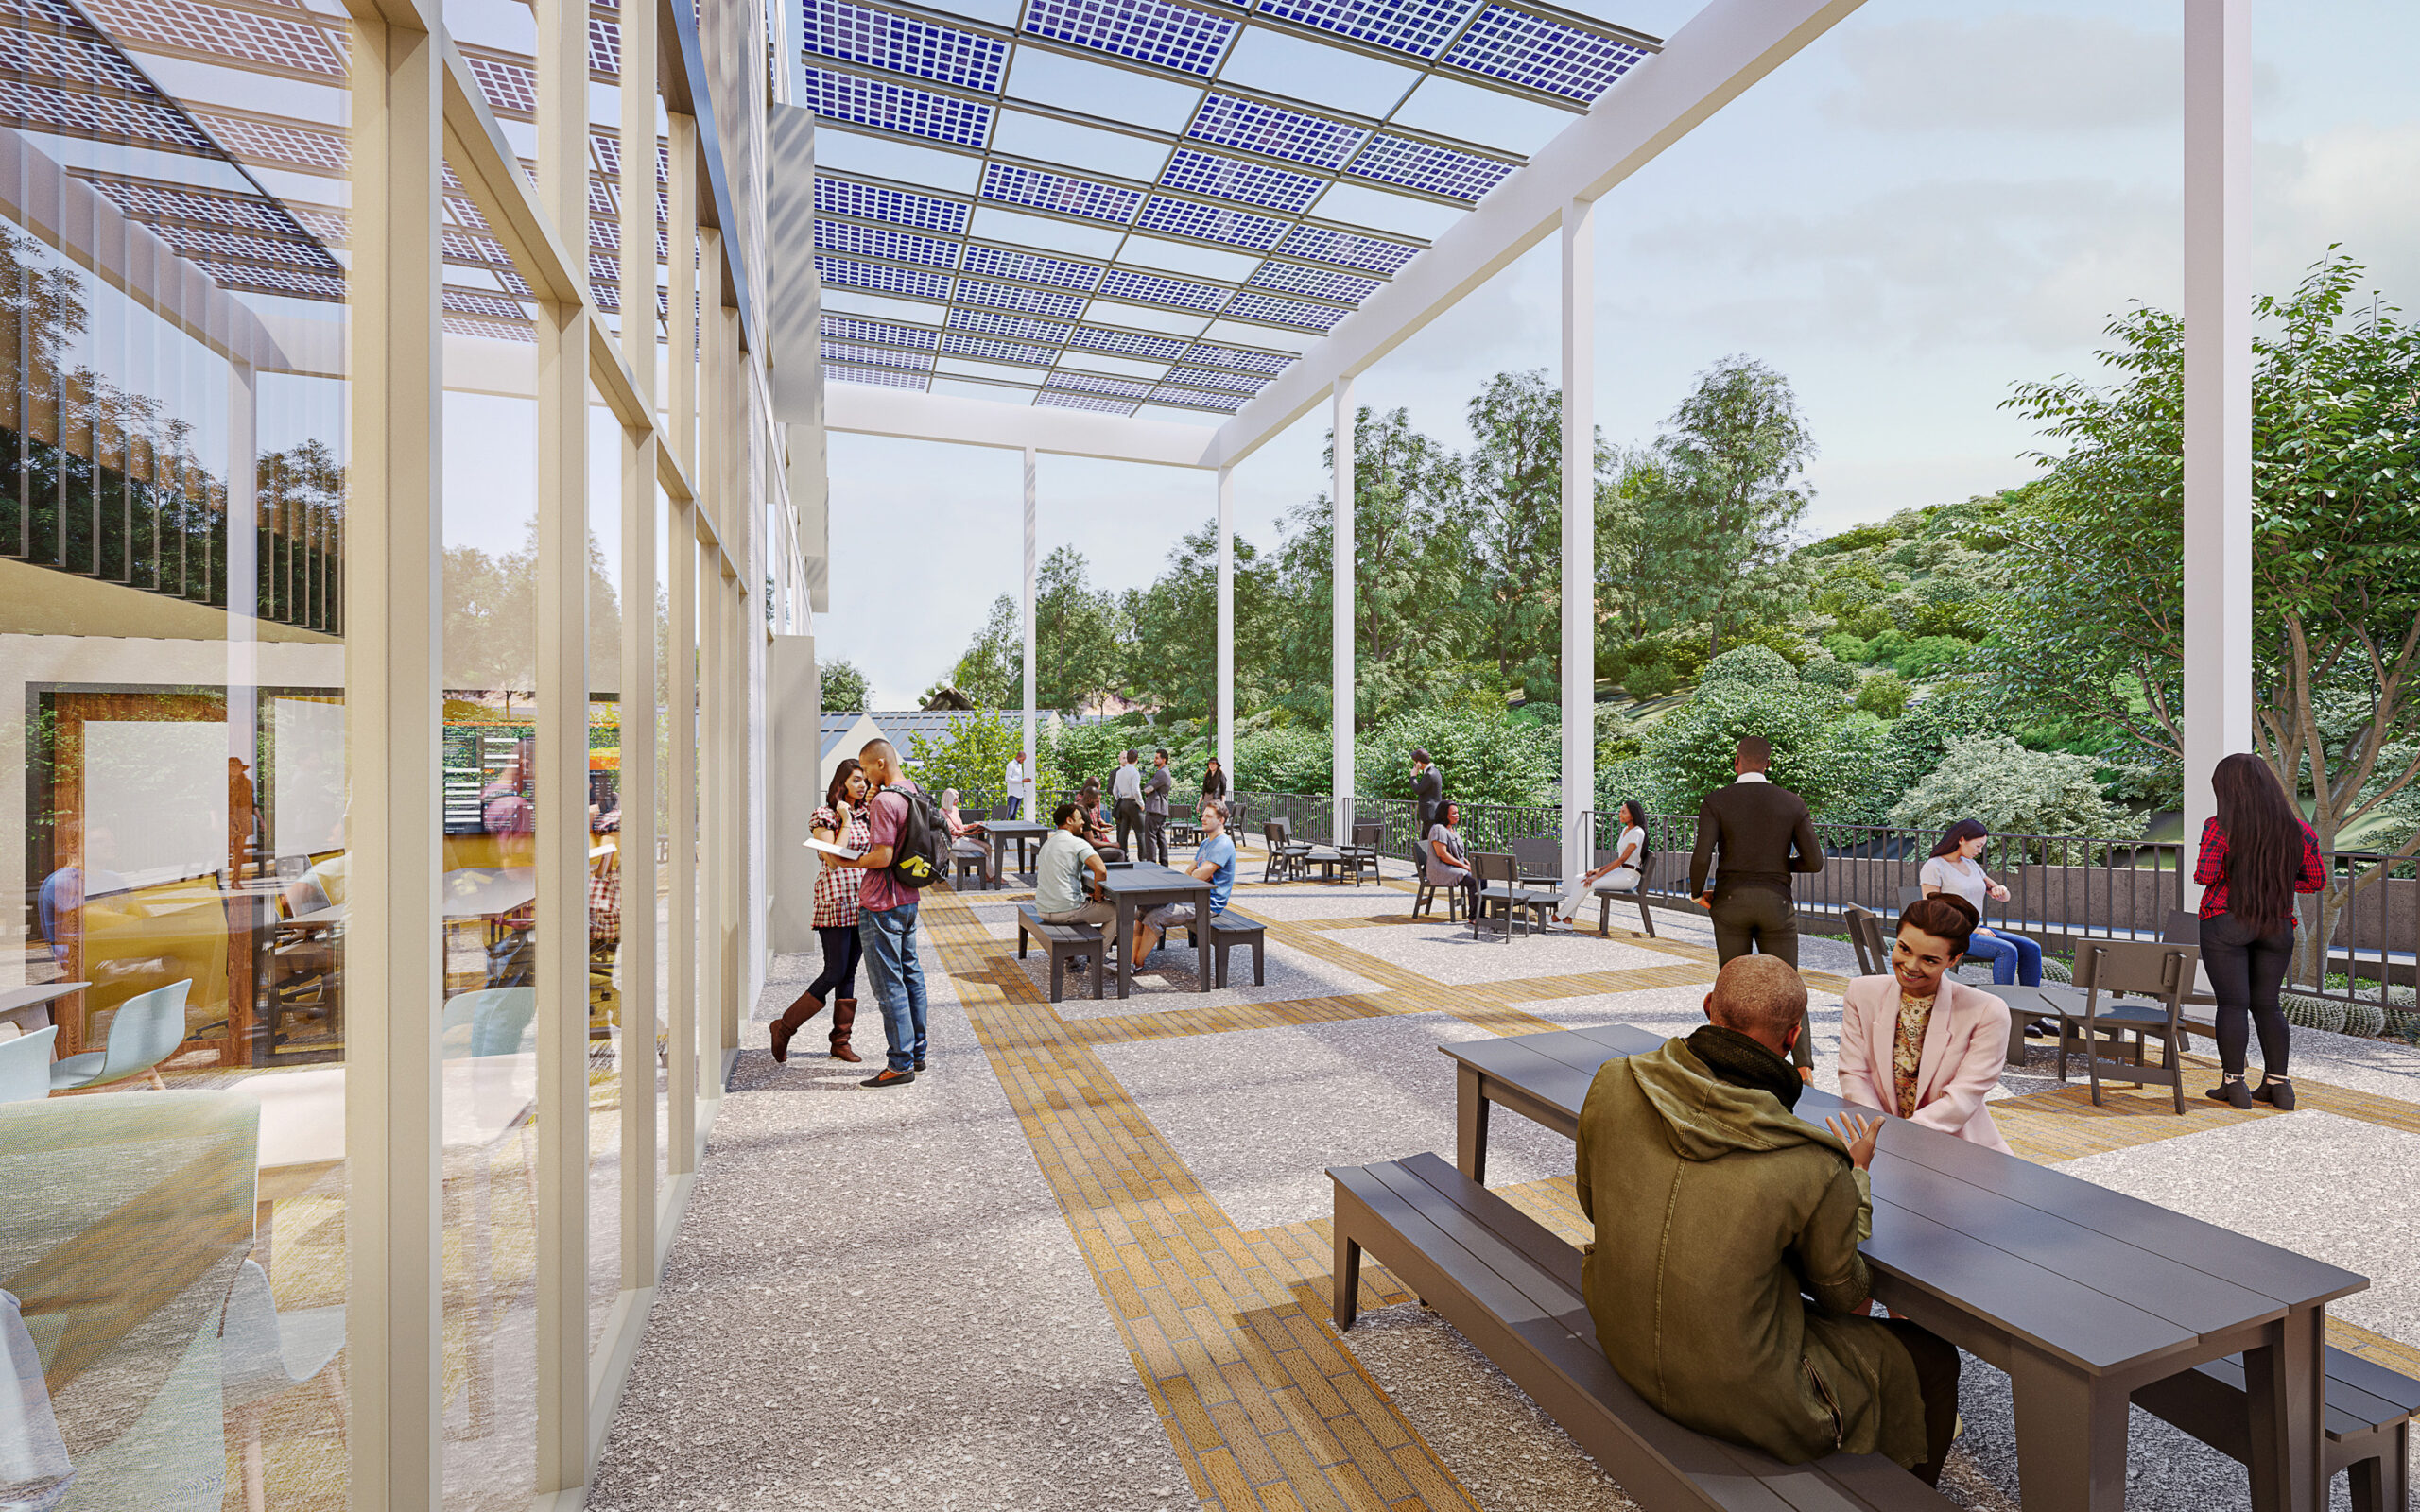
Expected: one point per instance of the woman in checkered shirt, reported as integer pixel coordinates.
(841, 822)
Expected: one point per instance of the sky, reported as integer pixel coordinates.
(1935, 200)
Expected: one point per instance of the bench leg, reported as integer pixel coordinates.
(1219, 949)
(1646, 920)
(2377, 1484)
(1100, 966)
(1021, 937)
(1348, 1282)
(1259, 964)
(1058, 970)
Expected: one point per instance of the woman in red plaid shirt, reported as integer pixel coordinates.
(841, 822)
(2256, 855)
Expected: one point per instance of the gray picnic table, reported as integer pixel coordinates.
(1140, 885)
(1024, 832)
(2080, 1294)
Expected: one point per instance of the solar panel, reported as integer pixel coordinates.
(477, 301)
(1293, 277)
(872, 241)
(1016, 296)
(1425, 165)
(1019, 327)
(1203, 353)
(1285, 312)
(1232, 121)
(1212, 223)
(879, 377)
(1125, 343)
(1204, 173)
(897, 107)
(1032, 357)
(1147, 31)
(511, 88)
(1030, 268)
(1196, 399)
(905, 45)
(1093, 382)
(848, 351)
(145, 122)
(839, 197)
(1526, 49)
(1149, 287)
(1060, 399)
(882, 279)
(1373, 254)
(1420, 28)
(1010, 184)
(852, 328)
(1234, 383)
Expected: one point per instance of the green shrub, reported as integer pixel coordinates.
(1651, 680)
(2313, 1012)
(1755, 666)
(1931, 655)
(1691, 748)
(1849, 648)
(2013, 790)
(1284, 759)
(1884, 694)
(1484, 760)
(1830, 672)
(2054, 970)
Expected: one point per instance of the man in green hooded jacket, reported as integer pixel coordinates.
(1725, 1280)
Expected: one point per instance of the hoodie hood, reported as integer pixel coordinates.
(1705, 1118)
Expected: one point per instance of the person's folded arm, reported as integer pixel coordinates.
(1802, 838)
(2210, 862)
(1702, 859)
(1826, 1251)
(2314, 873)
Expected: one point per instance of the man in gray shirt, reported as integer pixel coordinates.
(1155, 809)
(1126, 793)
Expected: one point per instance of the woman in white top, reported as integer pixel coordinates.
(1954, 867)
(1620, 874)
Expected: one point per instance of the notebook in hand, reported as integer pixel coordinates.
(844, 851)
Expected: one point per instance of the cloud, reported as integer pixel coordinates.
(2350, 186)
(2014, 72)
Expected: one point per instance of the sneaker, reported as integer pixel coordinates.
(887, 1077)
(2277, 1093)
(920, 1062)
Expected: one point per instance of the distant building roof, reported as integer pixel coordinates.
(897, 724)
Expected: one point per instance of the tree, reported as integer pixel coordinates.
(991, 670)
(1514, 482)
(2015, 790)
(1175, 666)
(2093, 626)
(845, 688)
(1080, 633)
(971, 755)
(1715, 501)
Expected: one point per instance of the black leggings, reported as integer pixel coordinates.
(1937, 1364)
(841, 949)
(2246, 971)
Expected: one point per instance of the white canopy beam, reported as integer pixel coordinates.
(865, 410)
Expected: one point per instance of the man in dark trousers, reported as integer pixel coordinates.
(1155, 809)
(1764, 834)
(1427, 796)
(1126, 792)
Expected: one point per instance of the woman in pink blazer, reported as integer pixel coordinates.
(1918, 1042)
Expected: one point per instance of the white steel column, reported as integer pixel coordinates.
(394, 542)
(680, 1018)
(1224, 711)
(1033, 751)
(1340, 687)
(2217, 397)
(1579, 532)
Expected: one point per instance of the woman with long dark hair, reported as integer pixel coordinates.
(840, 821)
(2256, 854)
(1621, 873)
(1956, 866)
(1449, 864)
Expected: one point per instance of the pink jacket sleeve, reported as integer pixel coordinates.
(1860, 1002)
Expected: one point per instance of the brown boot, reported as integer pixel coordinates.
(807, 1007)
(845, 1017)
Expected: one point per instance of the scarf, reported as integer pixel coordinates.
(1741, 1061)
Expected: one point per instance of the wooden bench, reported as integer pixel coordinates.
(1063, 940)
(1227, 931)
(2368, 1425)
(1512, 1288)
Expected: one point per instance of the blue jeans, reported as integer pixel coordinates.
(2014, 957)
(890, 939)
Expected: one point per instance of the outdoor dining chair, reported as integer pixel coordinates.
(1865, 938)
(24, 1065)
(148, 1029)
(1363, 852)
(266, 1353)
(1499, 885)
(1285, 853)
(2158, 972)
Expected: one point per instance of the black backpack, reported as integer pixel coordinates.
(920, 856)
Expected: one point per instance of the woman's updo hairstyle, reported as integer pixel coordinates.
(1944, 916)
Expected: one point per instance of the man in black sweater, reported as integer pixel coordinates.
(1427, 796)
(1764, 834)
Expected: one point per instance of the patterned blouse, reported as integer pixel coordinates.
(1907, 1050)
(836, 887)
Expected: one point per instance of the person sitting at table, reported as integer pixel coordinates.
(1620, 874)
(1095, 827)
(1058, 875)
(1214, 861)
(1725, 1280)
(1449, 864)
(1956, 866)
(1920, 1043)
(963, 835)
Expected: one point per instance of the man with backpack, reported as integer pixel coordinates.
(899, 859)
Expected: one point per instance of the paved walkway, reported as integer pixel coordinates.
(1083, 1261)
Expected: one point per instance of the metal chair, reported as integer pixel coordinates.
(1865, 938)
(1363, 852)
(1285, 853)
(2159, 972)
(24, 1065)
(1647, 864)
(148, 1029)
(1539, 857)
(1427, 895)
(1499, 883)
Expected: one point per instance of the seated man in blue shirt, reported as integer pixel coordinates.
(1214, 861)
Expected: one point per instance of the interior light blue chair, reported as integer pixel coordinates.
(265, 1353)
(503, 1022)
(148, 1029)
(24, 1065)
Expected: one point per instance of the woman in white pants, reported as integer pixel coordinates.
(1620, 874)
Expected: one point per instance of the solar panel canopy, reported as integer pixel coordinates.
(1112, 205)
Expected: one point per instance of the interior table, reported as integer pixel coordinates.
(2079, 1293)
(1146, 884)
(1000, 833)
(29, 1007)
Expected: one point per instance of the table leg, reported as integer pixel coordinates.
(1201, 937)
(999, 881)
(1470, 1126)
(2017, 1022)
(2070, 1436)
(2285, 1390)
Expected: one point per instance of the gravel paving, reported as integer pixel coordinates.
(1260, 1115)
(875, 1304)
(1447, 953)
